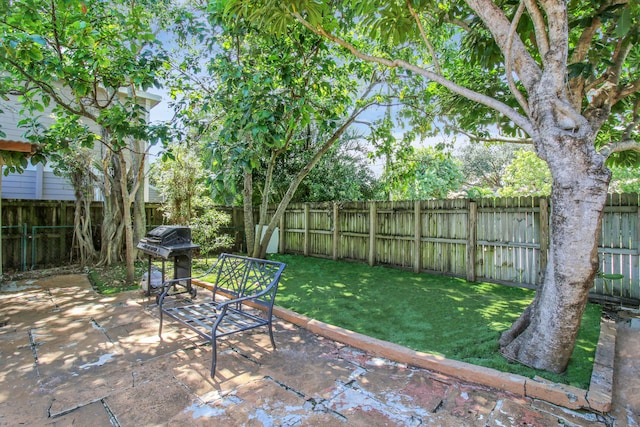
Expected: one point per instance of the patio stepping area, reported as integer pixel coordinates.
(69, 356)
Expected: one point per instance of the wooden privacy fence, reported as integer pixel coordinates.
(39, 234)
(501, 240)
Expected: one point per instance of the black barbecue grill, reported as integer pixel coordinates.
(170, 242)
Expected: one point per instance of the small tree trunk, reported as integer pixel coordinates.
(262, 241)
(130, 254)
(249, 224)
(139, 212)
(139, 217)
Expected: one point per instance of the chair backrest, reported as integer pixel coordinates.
(240, 276)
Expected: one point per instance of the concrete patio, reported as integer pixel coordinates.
(69, 356)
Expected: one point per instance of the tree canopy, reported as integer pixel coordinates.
(526, 175)
(562, 75)
(76, 68)
(77, 57)
(271, 106)
(429, 173)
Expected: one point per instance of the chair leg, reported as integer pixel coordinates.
(160, 328)
(273, 342)
(213, 357)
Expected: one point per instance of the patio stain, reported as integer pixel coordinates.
(103, 359)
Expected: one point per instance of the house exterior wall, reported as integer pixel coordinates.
(39, 182)
(36, 185)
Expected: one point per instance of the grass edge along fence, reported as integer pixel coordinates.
(499, 240)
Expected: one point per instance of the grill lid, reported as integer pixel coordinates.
(170, 233)
(167, 240)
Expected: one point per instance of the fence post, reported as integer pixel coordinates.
(336, 231)
(544, 236)
(307, 239)
(472, 238)
(417, 241)
(373, 227)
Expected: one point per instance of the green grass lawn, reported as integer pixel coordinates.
(443, 315)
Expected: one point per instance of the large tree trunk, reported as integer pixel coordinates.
(544, 337)
(82, 181)
(112, 224)
(130, 250)
(82, 232)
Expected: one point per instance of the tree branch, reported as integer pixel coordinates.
(520, 120)
(509, 61)
(577, 85)
(582, 47)
(56, 36)
(49, 90)
(436, 64)
(635, 122)
(628, 90)
(617, 147)
(608, 91)
(493, 138)
(497, 23)
(539, 26)
(612, 75)
(555, 60)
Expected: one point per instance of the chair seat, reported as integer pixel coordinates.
(202, 317)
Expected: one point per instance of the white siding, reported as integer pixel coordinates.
(154, 195)
(56, 188)
(9, 119)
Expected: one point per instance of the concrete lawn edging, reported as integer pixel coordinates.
(597, 398)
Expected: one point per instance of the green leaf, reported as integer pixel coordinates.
(624, 23)
(36, 54)
(611, 276)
